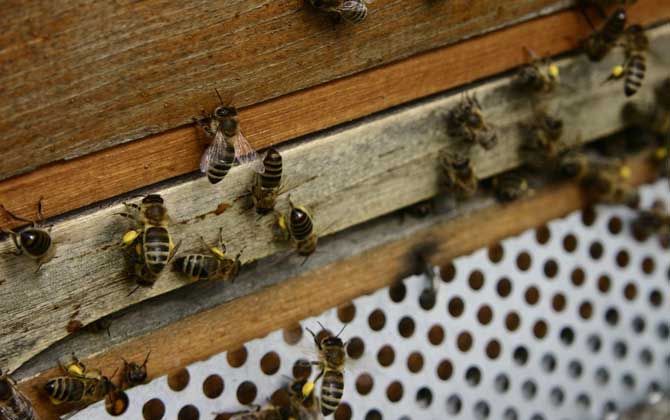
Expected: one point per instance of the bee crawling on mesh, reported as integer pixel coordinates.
(458, 175)
(510, 186)
(228, 143)
(13, 404)
(217, 266)
(542, 141)
(633, 70)
(352, 11)
(538, 76)
(34, 241)
(465, 122)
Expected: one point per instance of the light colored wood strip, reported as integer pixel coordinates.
(82, 76)
(77, 183)
(281, 306)
(346, 178)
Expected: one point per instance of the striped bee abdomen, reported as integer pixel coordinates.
(156, 248)
(354, 11)
(635, 73)
(36, 242)
(220, 165)
(197, 266)
(332, 388)
(65, 389)
(271, 178)
(300, 224)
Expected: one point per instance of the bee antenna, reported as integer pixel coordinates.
(219, 95)
(134, 290)
(343, 327)
(146, 359)
(321, 325)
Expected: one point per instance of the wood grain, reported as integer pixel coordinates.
(82, 76)
(80, 182)
(291, 301)
(87, 278)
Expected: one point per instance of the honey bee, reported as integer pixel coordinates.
(353, 11)
(542, 140)
(573, 164)
(303, 403)
(633, 70)
(13, 404)
(538, 76)
(332, 358)
(465, 122)
(270, 412)
(651, 221)
(509, 186)
(601, 180)
(133, 373)
(153, 244)
(602, 41)
(298, 227)
(267, 185)
(79, 385)
(35, 241)
(227, 145)
(459, 177)
(210, 267)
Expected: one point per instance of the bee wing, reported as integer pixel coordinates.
(213, 152)
(19, 406)
(245, 153)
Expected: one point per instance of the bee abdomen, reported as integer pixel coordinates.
(156, 248)
(35, 242)
(218, 168)
(65, 389)
(635, 74)
(354, 11)
(301, 229)
(332, 388)
(271, 178)
(197, 266)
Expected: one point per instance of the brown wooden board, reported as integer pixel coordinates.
(77, 183)
(81, 76)
(282, 306)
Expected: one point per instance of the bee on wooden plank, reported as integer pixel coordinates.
(153, 246)
(216, 266)
(465, 122)
(509, 186)
(538, 76)
(133, 373)
(298, 227)
(13, 404)
(352, 11)
(228, 143)
(332, 360)
(79, 385)
(542, 145)
(34, 241)
(266, 185)
(634, 68)
(458, 174)
(601, 42)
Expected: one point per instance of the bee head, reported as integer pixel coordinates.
(152, 199)
(225, 112)
(474, 119)
(332, 341)
(136, 374)
(553, 124)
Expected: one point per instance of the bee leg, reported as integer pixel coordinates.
(131, 206)
(126, 215)
(40, 216)
(18, 251)
(173, 252)
(15, 217)
(39, 265)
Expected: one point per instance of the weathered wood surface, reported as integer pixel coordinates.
(81, 76)
(77, 183)
(346, 178)
(376, 255)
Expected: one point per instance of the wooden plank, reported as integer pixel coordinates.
(289, 302)
(332, 175)
(77, 183)
(82, 76)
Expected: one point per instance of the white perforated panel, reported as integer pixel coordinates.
(569, 321)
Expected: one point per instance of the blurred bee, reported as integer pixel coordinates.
(542, 140)
(270, 412)
(134, 374)
(651, 221)
(332, 358)
(303, 403)
(298, 227)
(466, 122)
(538, 76)
(459, 177)
(602, 41)
(601, 180)
(35, 241)
(633, 70)
(152, 241)
(353, 11)
(78, 385)
(509, 186)
(660, 118)
(210, 267)
(267, 185)
(13, 404)
(573, 164)
(227, 145)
